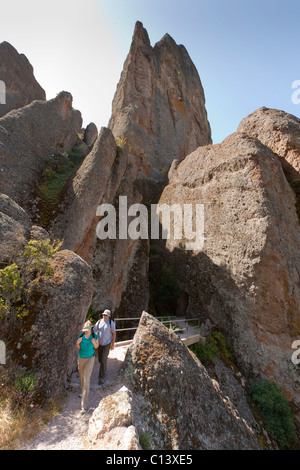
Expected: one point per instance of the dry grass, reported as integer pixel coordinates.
(20, 418)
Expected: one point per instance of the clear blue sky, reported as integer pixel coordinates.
(246, 51)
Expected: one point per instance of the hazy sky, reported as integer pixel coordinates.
(246, 51)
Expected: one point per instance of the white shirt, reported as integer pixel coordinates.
(104, 330)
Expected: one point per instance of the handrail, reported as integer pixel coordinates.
(171, 319)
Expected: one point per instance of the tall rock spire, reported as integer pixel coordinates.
(159, 104)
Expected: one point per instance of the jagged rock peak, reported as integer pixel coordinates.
(166, 39)
(140, 35)
(159, 105)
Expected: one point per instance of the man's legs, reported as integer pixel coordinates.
(103, 352)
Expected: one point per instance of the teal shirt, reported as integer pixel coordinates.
(87, 349)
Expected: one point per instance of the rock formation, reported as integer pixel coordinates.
(43, 340)
(15, 225)
(76, 223)
(59, 310)
(171, 399)
(159, 106)
(29, 137)
(21, 87)
(158, 114)
(246, 276)
(157, 148)
(281, 132)
(112, 425)
(90, 134)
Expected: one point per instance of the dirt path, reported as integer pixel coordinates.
(68, 430)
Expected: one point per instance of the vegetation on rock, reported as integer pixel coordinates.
(215, 345)
(56, 175)
(274, 406)
(18, 279)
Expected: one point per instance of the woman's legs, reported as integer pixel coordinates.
(85, 368)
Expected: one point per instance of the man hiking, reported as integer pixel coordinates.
(106, 330)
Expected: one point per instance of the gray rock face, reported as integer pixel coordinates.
(246, 276)
(112, 424)
(175, 401)
(158, 114)
(44, 340)
(158, 111)
(280, 132)
(28, 138)
(14, 229)
(77, 221)
(58, 316)
(21, 87)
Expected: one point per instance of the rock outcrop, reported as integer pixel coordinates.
(158, 114)
(58, 312)
(90, 134)
(15, 226)
(28, 138)
(246, 276)
(21, 87)
(174, 401)
(281, 132)
(158, 111)
(112, 425)
(90, 186)
(43, 339)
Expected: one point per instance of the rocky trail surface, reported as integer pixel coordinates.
(68, 430)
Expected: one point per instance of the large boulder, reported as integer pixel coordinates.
(175, 402)
(245, 277)
(21, 87)
(112, 425)
(41, 336)
(46, 338)
(281, 132)
(28, 138)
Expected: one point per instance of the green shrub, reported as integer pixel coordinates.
(275, 410)
(25, 383)
(205, 352)
(3, 308)
(37, 254)
(215, 345)
(145, 440)
(11, 290)
(55, 178)
(92, 315)
(18, 279)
